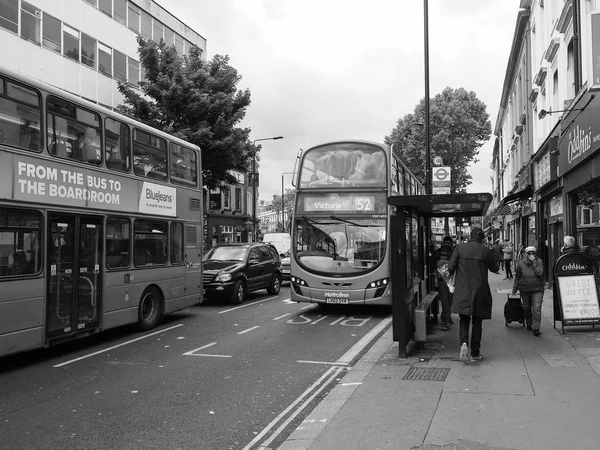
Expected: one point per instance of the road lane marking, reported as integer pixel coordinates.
(274, 422)
(366, 339)
(281, 317)
(322, 362)
(199, 348)
(208, 354)
(247, 304)
(117, 346)
(249, 329)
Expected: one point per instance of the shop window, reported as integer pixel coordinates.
(104, 59)
(149, 243)
(30, 22)
(146, 25)
(51, 33)
(133, 18)
(117, 148)
(71, 42)
(121, 11)
(88, 51)
(118, 242)
(20, 243)
(586, 216)
(119, 66)
(106, 7)
(134, 72)
(9, 15)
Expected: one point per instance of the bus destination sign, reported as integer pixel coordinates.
(336, 202)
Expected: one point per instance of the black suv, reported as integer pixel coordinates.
(232, 270)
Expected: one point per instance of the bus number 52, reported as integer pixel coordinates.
(364, 204)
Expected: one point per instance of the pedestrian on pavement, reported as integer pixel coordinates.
(441, 258)
(507, 256)
(529, 281)
(470, 263)
(570, 245)
(497, 249)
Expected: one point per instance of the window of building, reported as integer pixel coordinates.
(149, 242)
(121, 11)
(146, 25)
(70, 42)
(88, 51)
(169, 36)
(20, 242)
(238, 199)
(133, 19)
(183, 165)
(134, 71)
(149, 155)
(555, 104)
(119, 66)
(226, 197)
(104, 59)
(586, 216)
(179, 44)
(117, 145)
(106, 7)
(118, 240)
(570, 71)
(94, 3)
(158, 31)
(73, 132)
(21, 118)
(51, 33)
(9, 15)
(30, 22)
(176, 243)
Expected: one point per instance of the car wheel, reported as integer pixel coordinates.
(149, 309)
(275, 286)
(238, 294)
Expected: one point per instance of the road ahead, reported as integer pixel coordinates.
(211, 377)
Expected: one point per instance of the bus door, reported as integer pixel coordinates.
(73, 274)
(193, 260)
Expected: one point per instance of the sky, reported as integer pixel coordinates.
(322, 70)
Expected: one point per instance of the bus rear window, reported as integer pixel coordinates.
(20, 116)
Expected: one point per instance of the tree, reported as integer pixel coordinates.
(459, 126)
(289, 207)
(195, 100)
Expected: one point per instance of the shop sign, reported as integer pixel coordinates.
(543, 171)
(556, 207)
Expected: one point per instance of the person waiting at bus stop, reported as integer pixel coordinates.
(441, 258)
(470, 263)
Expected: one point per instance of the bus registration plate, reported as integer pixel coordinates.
(337, 301)
(339, 298)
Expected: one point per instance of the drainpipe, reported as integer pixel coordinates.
(576, 45)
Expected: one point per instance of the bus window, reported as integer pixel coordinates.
(73, 132)
(149, 155)
(117, 243)
(20, 116)
(20, 234)
(149, 242)
(183, 165)
(117, 145)
(176, 243)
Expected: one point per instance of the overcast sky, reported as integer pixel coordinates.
(321, 70)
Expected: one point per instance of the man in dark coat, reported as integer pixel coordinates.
(470, 263)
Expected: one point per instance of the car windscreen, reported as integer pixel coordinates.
(226, 254)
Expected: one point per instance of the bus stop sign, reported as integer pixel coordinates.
(440, 183)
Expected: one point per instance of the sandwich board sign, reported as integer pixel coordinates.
(575, 291)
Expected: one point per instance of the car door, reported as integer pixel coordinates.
(254, 269)
(267, 267)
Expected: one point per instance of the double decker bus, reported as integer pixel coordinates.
(340, 245)
(100, 218)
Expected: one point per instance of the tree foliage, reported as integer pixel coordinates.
(288, 206)
(459, 126)
(195, 100)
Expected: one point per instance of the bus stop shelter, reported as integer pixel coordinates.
(410, 238)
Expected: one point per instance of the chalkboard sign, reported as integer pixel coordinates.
(576, 291)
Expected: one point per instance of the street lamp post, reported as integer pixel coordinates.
(427, 132)
(255, 182)
(283, 200)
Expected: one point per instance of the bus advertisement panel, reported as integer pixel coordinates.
(341, 220)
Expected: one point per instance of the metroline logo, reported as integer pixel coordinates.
(337, 295)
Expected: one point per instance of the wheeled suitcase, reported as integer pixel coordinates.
(513, 309)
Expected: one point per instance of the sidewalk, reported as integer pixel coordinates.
(528, 393)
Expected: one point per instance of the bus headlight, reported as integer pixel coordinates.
(380, 286)
(223, 277)
(298, 281)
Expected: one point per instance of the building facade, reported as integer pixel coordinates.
(546, 160)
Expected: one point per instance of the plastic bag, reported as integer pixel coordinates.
(445, 276)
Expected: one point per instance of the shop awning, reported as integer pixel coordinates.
(445, 205)
(501, 210)
(525, 193)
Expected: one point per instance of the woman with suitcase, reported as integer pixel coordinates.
(529, 281)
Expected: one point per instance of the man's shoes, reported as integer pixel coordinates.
(464, 351)
(529, 328)
(448, 322)
(476, 358)
(536, 332)
(505, 278)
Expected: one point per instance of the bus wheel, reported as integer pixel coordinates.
(275, 286)
(149, 310)
(238, 294)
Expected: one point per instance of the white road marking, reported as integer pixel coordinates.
(281, 317)
(206, 354)
(322, 362)
(274, 422)
(117, 346)
(360, 345)
(249, 329)
(199, 348)
(247, 304)
(310, 305)
(352, 384)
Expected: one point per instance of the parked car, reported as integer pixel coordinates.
(233, 270)
(285, 265)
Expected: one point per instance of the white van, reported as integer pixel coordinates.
(281, 241)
